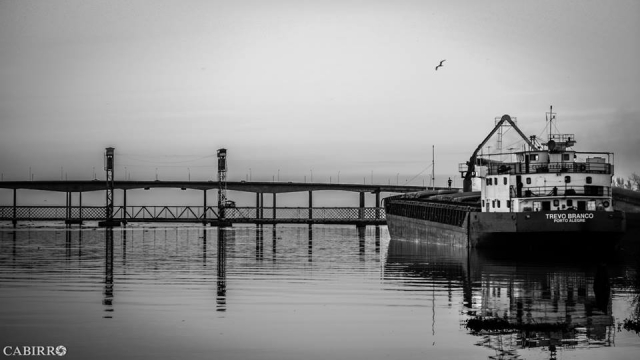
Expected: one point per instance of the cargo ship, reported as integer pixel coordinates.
(547, 192)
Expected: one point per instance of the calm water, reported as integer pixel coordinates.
(168, 292)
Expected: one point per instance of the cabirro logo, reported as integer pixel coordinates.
(34, 350)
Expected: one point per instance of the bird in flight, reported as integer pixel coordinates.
(440, 64)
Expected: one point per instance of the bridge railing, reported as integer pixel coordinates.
(52, 212)
(189, 213)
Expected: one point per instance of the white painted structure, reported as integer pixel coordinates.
(551, 178)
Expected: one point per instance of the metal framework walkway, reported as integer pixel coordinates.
(199, 214)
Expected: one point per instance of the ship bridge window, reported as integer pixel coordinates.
(534, 157)
(569, 202)
(528, 181)
(504, 180)
(566, 157)
(556, 203)
(567, 179)
(489, 181)
(589, 179)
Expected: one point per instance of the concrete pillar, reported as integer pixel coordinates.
(310, 205)
(15, 208)
(261, 206)
(274, 205)
(80, 204)
(68, 205)
(124, 204)
(377, 204)
(257, 205)
(204, 212)
(361, 210)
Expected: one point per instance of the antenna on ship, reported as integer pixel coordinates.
(550, 119)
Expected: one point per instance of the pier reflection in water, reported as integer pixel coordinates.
(295, 292)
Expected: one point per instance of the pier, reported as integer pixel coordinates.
(71, 213)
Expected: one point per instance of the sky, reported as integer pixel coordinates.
(307, 90)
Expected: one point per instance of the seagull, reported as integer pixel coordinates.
(440, 64)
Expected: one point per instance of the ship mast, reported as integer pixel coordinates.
(551, 117)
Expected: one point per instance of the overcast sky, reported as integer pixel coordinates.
(296, 89)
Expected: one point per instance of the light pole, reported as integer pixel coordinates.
(189, 171)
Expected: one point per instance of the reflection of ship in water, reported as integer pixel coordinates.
(513, 302)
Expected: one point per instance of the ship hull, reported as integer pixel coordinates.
(529, 229)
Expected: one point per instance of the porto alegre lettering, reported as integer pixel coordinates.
(569, 217)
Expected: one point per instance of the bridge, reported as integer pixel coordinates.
(206, 214)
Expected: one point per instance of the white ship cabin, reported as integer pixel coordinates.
(554, 178)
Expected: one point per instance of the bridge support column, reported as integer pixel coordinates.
(274, 206)
(204, 206)
(80, 206)
(261, 206)
(68, 205)
(361, 210)
(15, 208)
(377, 205)
(310, 206)
(258, 205)
(124, 206)
(69, 218)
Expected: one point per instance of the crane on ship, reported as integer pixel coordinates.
(471, 164)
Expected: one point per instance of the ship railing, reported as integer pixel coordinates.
(563, 137)
(553, 167)
(537, 191)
